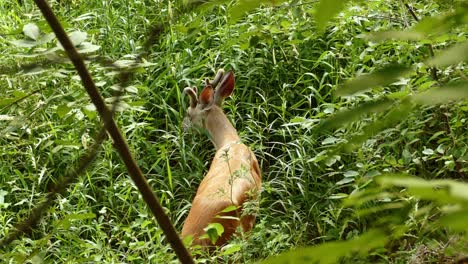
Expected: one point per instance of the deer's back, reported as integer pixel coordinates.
(234, 177)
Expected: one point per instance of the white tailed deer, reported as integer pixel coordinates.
(234, 175)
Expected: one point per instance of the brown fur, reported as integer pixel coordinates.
(234, 175)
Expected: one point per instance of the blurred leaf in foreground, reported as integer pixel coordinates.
(444, 94)
(398, 35)
(457, 220)
(32, 31)
(326, 10)
(442, 191)
(244, 6)
(443, 23)
(395, 115)
(331, 252)
(386, 75)
(453, 55)
(344, 117)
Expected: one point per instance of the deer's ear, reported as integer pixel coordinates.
(207, 96)
(225, 87)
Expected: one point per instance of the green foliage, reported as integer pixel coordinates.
(332, 252)
(330, 164)
(213, 231)
(383, 76)
(327, 10)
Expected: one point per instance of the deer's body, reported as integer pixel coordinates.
(234, 175)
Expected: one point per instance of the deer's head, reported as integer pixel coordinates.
(211, 96)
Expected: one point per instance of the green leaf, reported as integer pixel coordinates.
(244, 6)
(347, 116)
(206, 5)
(24, 43)
(89, 111)
(66, 222)
(81, 216)
(187, 240)
(62, 110)
(87, 47)
(338, 196)
(230, 249)
(332, 252)
(442, 23)
(7, 101)
(442, 191)
(397, 114)
(326, 10)
(444, 94)
(351, 173)
(345, 181)
(453, 55)
(384, 76)
(3, 193)
(428, 151)
(76, 37)
(458, 221)
(32, 31)
(19, 94)
(329, 140)
(213, 232)
(229, 209)
(398, 35)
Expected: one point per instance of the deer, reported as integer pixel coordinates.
(234, 176)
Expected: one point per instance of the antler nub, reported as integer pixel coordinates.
(217, 78)
(192, 93)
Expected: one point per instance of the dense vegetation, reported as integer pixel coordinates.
(335, 155)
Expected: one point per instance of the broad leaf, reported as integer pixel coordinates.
(394, 116)
(87, 47)
(458, 220)
(32, 31)
(442, 191)
(347, 116)
(77, 37)
(453, 55)
(229, 209)
(384, 76)
(24, 43)
(62, 110)
(213, 232)
(398, 35)
(230, 249)
(326, 10)
(332, 252)
(442, 23)
(244, 6)
(441, 95)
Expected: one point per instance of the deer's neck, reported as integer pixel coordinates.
(220, 128)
